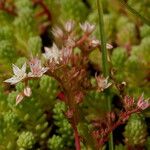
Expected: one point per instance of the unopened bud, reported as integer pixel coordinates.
(69, 26)
(128, 102)
(69, 113)
(19, 98)
(27, 91)
(79, 97)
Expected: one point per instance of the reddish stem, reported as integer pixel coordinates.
(7, 10)
(40, 14)
(43, 5)
(77, 139)
(118, 123)
(83, 38)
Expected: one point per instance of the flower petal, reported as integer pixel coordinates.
(44, 69)
(12, 80)
(16, 70)
(109, 46)
(19, 98)
(30, 74)
(24, 67)
(27, 91)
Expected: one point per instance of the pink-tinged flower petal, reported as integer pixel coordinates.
(27, 91)
(57, 32)
(46, 50)
(69, 113)
(12, 80)
(36, 68)
(95, 42)
(44, 69)
(102, 83)
(143, 104)
(109, 46)
(19, 74)
(24, 67)
(79, 97)
(69, 26)
(87, 27)
(16, 70)
(30, 74)
(52, 54)
(66, 55)
(70, 42)
(128, 101)
(19, 98)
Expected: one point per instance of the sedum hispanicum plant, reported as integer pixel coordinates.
(56, 96)
(70, 69)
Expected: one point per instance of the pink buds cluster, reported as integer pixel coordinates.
(129, 103)
(103, 127)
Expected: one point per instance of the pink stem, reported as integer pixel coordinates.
(44, 6)
(77, 139)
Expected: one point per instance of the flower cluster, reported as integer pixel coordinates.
(21, 75)
(103, 127)
(70, 69)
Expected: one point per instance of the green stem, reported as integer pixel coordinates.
(133, 11)
(103, 39)
(104, 56)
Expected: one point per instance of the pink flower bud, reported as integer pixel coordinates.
(69, 113)
(69, 26)
(27, 91)
(66, 55)
(95, 43)
(109, 46)
(102, 83)
(36, 68)
(19, 98)
(128, 102)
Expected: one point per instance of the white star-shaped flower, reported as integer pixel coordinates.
(36, 68)
(87, 27)
(102, 83)
(52, 54)
(19, 74)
